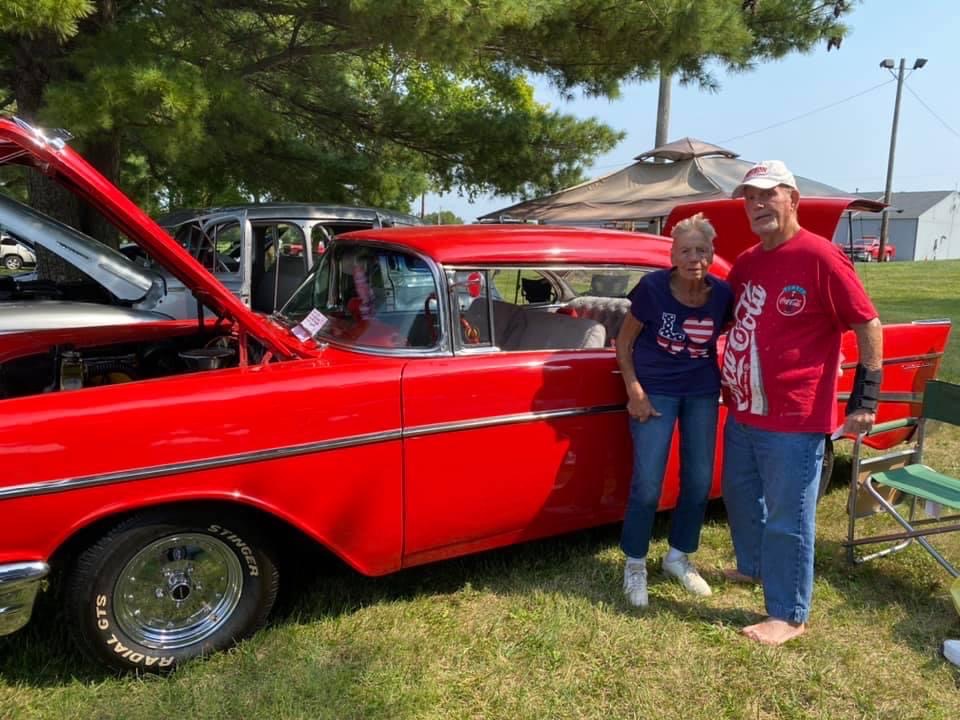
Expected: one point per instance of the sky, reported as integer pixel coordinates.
(819, 132)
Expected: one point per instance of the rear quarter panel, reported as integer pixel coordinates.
(912, 354)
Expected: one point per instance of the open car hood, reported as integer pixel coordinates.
(47, 152)
(819, 215)
(124, 279)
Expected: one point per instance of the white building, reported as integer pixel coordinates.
(923, 225)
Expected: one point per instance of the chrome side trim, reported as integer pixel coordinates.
(902, 397)
(897, 360)
(19, 583)
(52, 486)
(76, 483)
(460, 425)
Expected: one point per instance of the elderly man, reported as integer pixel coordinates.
(795, 293)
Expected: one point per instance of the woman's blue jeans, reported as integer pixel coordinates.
(770, 485)
(696, 417)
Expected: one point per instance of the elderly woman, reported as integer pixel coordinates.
(667, 352)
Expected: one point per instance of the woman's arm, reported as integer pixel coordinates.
(638, 404)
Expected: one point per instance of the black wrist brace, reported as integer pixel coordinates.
(866, 390)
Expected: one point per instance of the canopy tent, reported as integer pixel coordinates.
(648, 189)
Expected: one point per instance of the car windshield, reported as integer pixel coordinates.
(370, 296)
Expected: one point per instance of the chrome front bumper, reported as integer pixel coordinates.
(19, 583)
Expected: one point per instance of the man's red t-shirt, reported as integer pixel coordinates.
(791, 305)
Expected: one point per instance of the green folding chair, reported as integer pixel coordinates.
(917, 482)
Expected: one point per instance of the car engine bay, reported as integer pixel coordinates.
(66, 366)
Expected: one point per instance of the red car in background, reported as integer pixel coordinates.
(426, 392)
(867, 249)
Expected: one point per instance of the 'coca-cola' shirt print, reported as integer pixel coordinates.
(791, 306)
(676, 351)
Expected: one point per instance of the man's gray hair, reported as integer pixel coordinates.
(695, 223)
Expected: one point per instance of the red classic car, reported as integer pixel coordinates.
(867, 249)
(426, 392)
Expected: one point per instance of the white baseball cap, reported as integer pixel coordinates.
(766, 174)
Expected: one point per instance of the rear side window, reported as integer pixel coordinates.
(609, 283)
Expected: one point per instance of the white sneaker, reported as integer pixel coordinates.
(687, 575)
(635, 583)
(951, 651)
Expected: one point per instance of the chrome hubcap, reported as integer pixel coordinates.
(177, 591)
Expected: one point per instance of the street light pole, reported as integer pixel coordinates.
(885, 219)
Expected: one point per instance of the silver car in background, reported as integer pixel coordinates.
(262, 252)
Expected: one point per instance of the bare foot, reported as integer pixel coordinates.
(774, 632)
(735, 576)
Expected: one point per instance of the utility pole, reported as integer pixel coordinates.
(663, 110)
(663, 124)
(885, 219)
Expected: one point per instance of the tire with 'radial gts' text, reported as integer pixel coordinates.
(166, 586)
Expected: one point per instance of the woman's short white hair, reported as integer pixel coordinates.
(695, 223)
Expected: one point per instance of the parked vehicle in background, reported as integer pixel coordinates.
(261, 252)
(15, 254)
(867, 249)
(110, 289)
(425, 393)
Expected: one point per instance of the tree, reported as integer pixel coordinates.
(444, 217)
(367, 101)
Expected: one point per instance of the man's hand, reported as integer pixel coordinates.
(859, 422)
(640, 408)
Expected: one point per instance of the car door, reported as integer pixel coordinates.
(504, 446)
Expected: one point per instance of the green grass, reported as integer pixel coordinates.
(918, 290)
(541, 630)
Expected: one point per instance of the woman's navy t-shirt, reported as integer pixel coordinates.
(676, 351)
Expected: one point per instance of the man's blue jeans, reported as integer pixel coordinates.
(697, 419)
(770, 485)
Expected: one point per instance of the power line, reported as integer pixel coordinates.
(930, 110)
(784, 122)
(809, 113)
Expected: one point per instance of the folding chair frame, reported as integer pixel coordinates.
(913, 529)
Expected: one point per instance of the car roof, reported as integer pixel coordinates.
(524, 244)
(285, 210)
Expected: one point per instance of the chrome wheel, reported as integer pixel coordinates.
(13, 262)
(178, 590)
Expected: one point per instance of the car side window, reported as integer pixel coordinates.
(526, 287)
(535, 320)
(605, 283)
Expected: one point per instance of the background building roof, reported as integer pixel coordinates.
(909, 204)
